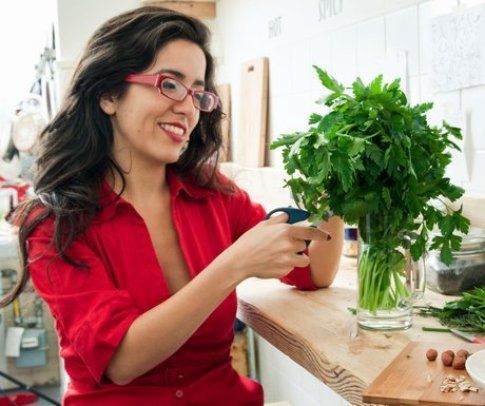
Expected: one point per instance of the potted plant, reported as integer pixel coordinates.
(374, 160)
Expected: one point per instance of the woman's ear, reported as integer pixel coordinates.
(108, 104)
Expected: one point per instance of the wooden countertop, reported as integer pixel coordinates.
(317, 331)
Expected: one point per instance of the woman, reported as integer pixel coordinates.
(135, 241)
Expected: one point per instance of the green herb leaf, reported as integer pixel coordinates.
(374, 154)
(328, 81)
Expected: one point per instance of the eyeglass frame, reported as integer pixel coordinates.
(155, 80)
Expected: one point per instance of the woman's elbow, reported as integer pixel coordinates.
(324, 284)
(116, 374)
(324, 279)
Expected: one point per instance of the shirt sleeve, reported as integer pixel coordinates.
(91, 313)
(247, 214)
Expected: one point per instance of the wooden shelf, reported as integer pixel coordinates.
(204, 9)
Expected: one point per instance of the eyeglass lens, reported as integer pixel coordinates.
(175, 90)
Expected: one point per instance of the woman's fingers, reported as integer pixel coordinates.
(308, 233)
(280, 218)
(300, 260)
(299, 245)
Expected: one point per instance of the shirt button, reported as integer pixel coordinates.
(179, 393)
(181, 376)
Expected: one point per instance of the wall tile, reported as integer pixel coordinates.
(413, 92)
(371, 46)
(283, 379)
(447, 107)
(279, 74)
(343, 44)
(427, 11)
(471, 2)
(301, 70)
(477, 183)
(266, 369)
(320, 392)
(473, 102)
(446, 104)
(321, 56)
(402, 34)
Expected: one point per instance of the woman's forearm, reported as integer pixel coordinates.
(160, 332)
(325, 255)
(268, 250)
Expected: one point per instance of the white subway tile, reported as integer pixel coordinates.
(446, 105)
(402, 34)
(292, 113)
(301, 398)
(301, 70)
(371, 46)
(321, 56)
(477, 183)
(413, 90)
(287, 389)
(279, 74)
(428, 11)
(343, 44)
(473, 102)
(471, 2)
(320, 392)
(283, 379)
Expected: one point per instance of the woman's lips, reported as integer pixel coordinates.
(175, 137)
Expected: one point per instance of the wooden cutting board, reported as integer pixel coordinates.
(253, 114)
(224, 92)
(410, 379)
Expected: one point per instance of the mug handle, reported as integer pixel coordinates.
(294, 216)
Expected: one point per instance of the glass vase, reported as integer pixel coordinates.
(389, 281)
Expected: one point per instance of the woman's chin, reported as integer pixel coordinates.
(171, 158)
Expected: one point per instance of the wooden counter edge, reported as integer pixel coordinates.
(347, 385)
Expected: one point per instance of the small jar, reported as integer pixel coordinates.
(467, 269)
(351, 243)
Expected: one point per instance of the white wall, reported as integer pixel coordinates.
(77, 21)
(24, 30)
(368, 37)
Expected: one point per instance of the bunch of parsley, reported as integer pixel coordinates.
(372, 155)
(466, 313)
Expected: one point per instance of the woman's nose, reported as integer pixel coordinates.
(185, 106)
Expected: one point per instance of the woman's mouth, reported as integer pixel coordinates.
(174, 132)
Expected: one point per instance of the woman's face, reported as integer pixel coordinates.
(144, 120)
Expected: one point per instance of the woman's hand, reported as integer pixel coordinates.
(270, 249)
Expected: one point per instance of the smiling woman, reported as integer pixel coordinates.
(135, 240)
(158, 124)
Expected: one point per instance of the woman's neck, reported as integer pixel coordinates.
(143, 186)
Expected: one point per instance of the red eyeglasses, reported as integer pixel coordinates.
(174, 89)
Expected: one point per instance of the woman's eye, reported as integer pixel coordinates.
(169, 85)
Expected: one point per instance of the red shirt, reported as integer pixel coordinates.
(94, 308)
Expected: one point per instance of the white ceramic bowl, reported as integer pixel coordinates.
(475, 366)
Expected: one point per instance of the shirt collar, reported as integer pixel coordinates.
(110, 201)
(187, 186)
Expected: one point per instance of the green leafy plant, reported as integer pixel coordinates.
(372, 155)
(466, 313)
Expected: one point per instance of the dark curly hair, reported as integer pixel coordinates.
(75, 149)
